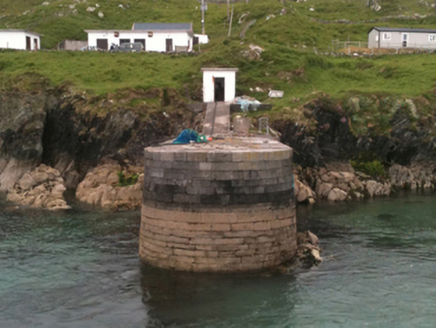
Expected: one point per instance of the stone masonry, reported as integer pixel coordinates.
(226, 205)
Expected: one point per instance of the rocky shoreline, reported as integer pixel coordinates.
(84, 142)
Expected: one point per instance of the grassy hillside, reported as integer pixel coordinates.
(66, 19)
(288, 62)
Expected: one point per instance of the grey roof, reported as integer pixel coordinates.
(400, 29)
(162, 26)
(210, 69)
(25, 31)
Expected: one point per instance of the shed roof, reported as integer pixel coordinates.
(24, 31)
(213, 69)
(401, 29)
(162, 26)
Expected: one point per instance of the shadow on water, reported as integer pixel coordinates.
(179, 299)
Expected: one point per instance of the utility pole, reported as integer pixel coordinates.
(202, 17)
(228, 11)
(231, 21)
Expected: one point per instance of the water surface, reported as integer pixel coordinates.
(81, 269)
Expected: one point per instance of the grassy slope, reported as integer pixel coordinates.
(409, 75)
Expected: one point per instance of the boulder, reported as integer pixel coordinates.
(308, 250)
(27, 182)
(43, 188)
(101, 188)
(303, 192)
(336, 195)
(342, 177)
(323, 189)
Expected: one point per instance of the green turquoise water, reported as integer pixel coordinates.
(81, 269)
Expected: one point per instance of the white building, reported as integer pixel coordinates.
(394, 37)
(201, 39)
(19, 40)
(160, 37)
(219, 84)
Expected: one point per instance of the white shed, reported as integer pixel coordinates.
(219, 84)
(159, 37)
(19, 40)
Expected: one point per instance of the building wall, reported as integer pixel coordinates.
(202, 38)
(155, 43)
(209, 86)
(17, 40)
(72, 45)
(416, 40)
(372, 39)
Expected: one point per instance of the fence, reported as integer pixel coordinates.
(352, 47)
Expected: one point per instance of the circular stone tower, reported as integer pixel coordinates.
(226, 205)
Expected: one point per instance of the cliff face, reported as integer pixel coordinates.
(22, 118)
(51, 127)
(336, 136)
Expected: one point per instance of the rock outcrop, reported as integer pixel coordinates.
(101, 188)
(337, 186)
(308, 250)
(41, 188)
(416, 176)
(22, 118)
(303, 193)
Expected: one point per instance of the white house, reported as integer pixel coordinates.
(160, 37)
(393, 37)
(219, 84)
(19, 40)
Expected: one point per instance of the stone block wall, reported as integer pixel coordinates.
(212, 208)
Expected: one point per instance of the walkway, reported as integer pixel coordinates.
(217, 120)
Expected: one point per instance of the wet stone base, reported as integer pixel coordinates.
(237, 239)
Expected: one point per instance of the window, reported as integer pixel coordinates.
(432, 37)
(122, 41)
(386, 36)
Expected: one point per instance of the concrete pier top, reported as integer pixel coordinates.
(262, 148)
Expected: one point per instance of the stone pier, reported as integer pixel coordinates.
(222, 206)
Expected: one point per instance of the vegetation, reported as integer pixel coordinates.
(125, 180)
(292, 60)
(373, 168)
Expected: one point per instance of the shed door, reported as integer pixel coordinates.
(141, 41)
(169, 45)
(35, 43)
(196, 40)
(28, 43)
(219, 89)
(102, 44)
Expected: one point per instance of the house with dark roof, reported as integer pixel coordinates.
(393, 37)
(159, 37)
(20, 40)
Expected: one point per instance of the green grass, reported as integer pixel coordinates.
(285, 63)
(404, 75)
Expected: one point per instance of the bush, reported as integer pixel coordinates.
(373, 168)
(127, 180)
